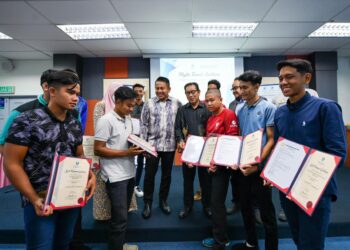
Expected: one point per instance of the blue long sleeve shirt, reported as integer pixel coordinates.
(316, 123)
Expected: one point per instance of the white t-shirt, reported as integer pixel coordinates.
(114, 130)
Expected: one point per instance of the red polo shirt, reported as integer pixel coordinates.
(225, 123)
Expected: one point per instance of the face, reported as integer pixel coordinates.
(236, 89)
(192, 94)
(162, 90)
(213, 101)
(125, 107)
(248, 90)
(293, 82)
(212, 86)
(45, 88)
(66, 96)
(139, 92)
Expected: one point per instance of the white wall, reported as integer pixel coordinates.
(25, 76)
(343, 76)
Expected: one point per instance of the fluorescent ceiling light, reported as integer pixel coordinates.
(95, 31)
(4, 37)
(332, 30)
(223, 29)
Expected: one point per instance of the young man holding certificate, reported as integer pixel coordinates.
(191, 119)
(117, 161)
(32, 141)
(256, 114)
(316, 123)
(222, 122)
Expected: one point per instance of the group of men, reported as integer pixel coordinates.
(166, 124)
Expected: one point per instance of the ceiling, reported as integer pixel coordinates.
(165, 26)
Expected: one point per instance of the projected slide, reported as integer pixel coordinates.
(183, 70)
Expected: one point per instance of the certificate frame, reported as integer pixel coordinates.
(134, 139)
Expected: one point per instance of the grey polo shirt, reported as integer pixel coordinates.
(114, 130)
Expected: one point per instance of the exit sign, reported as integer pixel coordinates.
(7, 89)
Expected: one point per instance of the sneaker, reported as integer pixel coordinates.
(138, 191)
(130, 247)
(197, 196)
(210, 242)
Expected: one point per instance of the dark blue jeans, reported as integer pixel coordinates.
(52, 232)
(309, 232)
(120, 193)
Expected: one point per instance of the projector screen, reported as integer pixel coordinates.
(183, 70)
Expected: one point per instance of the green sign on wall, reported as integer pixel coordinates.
(7, 89)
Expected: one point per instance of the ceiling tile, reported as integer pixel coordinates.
(160, 30)
(344, 52)
(322, 43)
(230, 10)
(120, 53)
(55, 46)
(112, 44)
(165, 51)
(346, 46)
(77, 12)
(19, 12)
(28, 55)
(154, 10)
(269, 43)
(284, 29)
(344, 16)
(34, 32)
(13, 45)
(164, 44)
(301, 11)
(216, 43)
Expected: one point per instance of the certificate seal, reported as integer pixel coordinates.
(309, 204)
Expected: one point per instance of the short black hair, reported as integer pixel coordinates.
(61, 78)
(301, 65)
(137, 85)
(215, 82)
(252, 76)
(192, 83)
(124, 93)
(163, 79)
(45, 75)
(236, 78)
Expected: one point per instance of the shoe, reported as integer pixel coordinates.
(234, 209)
(257, 216)
(185, 212)
(146, 211)
(130, 247)
(164, 207)
(210, 243)
(138, 192)
(197, 196)
(243, 246)
(207, 212)
(282, 216)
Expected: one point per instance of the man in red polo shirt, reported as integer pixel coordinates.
(222, 122)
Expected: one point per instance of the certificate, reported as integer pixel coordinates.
(134, 139)
(68, 180)
(135, 126)
(227, 150)
(284, 164)
(300, 172)
(193, 149)
(313, 179)
(208, 152)
(251, 148)
(88, 146)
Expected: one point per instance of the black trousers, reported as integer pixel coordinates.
(234, 186)
(167, 160)
(251, 187)
(204, 181)
(139, 169)
(219, 186)
(120, 193)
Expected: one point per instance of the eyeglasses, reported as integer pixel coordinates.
(193, 92)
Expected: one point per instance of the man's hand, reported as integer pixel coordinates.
(180, 146)
(213, 168)
(234, 167)
(248, 169)
(267, 183)
(41, 209)
(91, 185)
(190, 165)
(134, 150)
